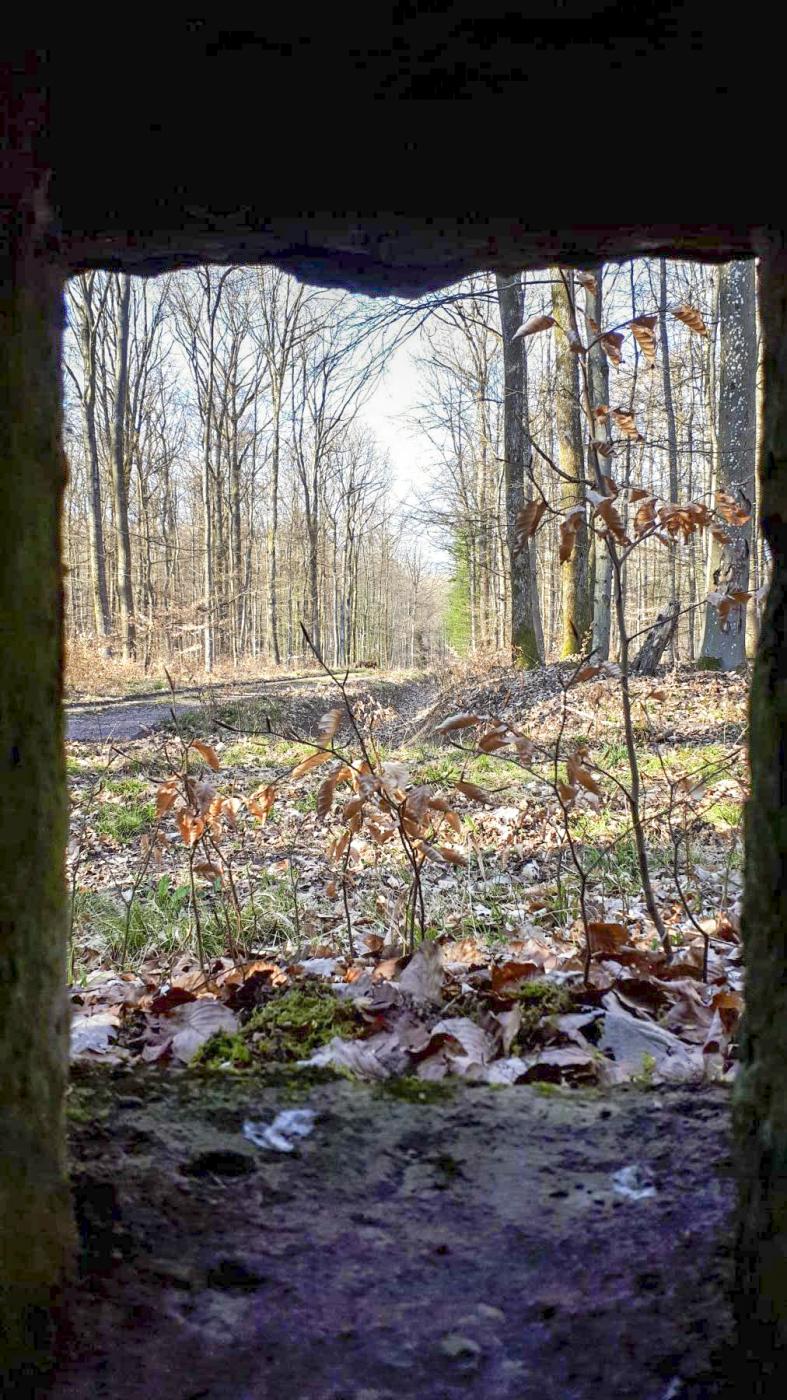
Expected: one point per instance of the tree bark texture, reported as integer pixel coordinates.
(761, 1089)
(119, 476)
(36, 1229)
(598, 378)
(575, 573)
(517, 453)
(88, 328)
(672, 433)
(724, 640)
(658, 639)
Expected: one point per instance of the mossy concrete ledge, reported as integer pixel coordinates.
(36, 1233)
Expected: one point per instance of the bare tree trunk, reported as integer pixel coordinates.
(723, 643)
(711, 409)
(575, 573)
(485, 551)
(692, 545)
(207, 543)
(86, 313)
(598, 377)
(119, 480)
(538, 627)
(218, 605)
(754, 609)
(672, 436)
(281, 308)
(98, 563)
(146, 568)
(273, 565)
(314, 584)
(518, 457)
(236, 571)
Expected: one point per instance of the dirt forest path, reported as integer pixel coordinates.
(123, 718)
(522, 1245)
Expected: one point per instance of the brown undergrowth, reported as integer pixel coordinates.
(431, 881)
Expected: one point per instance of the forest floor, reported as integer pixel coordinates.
(315, 1156)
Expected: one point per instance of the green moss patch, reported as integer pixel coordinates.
(408, 1088)
(291, 1026)
(225, 1051)
(538, 999)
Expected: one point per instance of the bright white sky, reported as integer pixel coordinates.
(389, 412)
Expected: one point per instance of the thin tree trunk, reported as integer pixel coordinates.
(484, 524)
(98, 567)
(672, 436)
(207, 546)
(208, 569)
(754, 610)
(518, 458)
(598, 376)
(711, 408)
(692, 545)
(146, 568)
(236, 579)
(535, 599)
(119, 479)
(314, 585)
(273, 579)
(723, 643)
(575, 573)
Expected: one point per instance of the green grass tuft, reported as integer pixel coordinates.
(124, 823)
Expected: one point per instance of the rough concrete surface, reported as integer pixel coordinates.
(489, 1243)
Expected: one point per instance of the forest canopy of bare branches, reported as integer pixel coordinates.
(227, 484)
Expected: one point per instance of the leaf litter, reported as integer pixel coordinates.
(497, 991)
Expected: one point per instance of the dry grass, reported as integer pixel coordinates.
(285, 876)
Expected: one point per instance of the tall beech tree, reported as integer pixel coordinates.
(282, 303)
(518, 456)
(724, 638)
(575, 583)
(121, 317)
(87, 295)
(598, 384)
(669, 411)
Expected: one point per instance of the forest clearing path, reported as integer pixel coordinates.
(132, 716)
(516, 1243)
